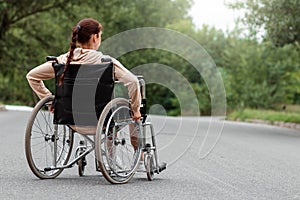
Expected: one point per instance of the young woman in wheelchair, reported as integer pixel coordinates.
(130, 143)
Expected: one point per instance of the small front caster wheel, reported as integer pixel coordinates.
(81, 166)
(149, 167)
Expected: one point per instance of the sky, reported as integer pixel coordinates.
(214, 13)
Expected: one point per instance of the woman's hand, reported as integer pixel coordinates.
(136, 115)
(51, 108)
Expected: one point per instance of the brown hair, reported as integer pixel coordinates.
(81, 33)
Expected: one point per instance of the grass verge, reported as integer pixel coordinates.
(268, 115)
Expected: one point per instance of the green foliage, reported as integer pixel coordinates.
(268, 115)
(260, 76)
(278, 20)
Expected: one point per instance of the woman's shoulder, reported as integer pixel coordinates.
(63, 57)
(82, 56)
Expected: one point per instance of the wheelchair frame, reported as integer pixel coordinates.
(59, 138)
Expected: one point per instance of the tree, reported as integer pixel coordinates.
(12, 11)
(258, 75)
(277, 20)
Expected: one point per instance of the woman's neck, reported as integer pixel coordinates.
(87, 46)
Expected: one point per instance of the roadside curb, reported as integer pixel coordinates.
(2, 108)
(15, 108)
(291, 125)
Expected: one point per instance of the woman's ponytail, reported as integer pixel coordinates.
(73, 44)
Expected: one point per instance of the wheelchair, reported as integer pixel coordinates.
(119, 142)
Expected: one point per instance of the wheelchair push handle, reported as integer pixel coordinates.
(51, 58)
(55, 63)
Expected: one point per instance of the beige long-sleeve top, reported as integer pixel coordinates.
(84, 56)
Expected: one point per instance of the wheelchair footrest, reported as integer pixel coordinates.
(161, 167)
(48, 169)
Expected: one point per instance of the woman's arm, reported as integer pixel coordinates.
(132, 83)
(36, 76)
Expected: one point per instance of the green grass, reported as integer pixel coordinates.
(268, 115)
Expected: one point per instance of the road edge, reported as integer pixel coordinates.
(290, 125)
(294, 126)
(15, 108)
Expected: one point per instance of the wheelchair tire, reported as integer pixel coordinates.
(40, 141)
(117, 156)
(149, 163)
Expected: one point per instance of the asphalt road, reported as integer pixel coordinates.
(247, 162)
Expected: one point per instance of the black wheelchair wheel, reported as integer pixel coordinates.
(118, 142)
(43, 148)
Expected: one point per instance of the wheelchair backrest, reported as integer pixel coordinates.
(83, 94)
